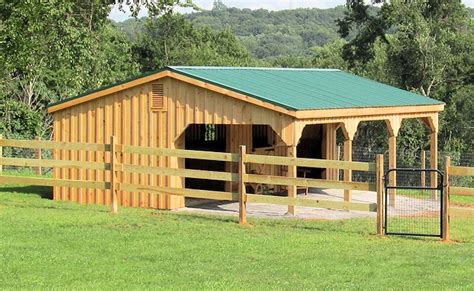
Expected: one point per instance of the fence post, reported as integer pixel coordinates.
(380, 201)
(242, 191)
(1, 154)
(423, 167)
(446, 234)
(39, 170)
(113, 192)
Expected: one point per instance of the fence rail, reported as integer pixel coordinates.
(116, 169)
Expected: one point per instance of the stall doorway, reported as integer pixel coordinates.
(205, 137)
(310, 146)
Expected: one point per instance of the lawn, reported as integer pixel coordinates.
(51, 244)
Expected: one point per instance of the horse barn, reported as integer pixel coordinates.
(273, 111)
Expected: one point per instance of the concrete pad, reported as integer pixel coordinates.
(280, 211)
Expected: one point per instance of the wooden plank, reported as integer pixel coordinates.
(143, 132)
(135, 131)
(11, 180)
(380, 200)
(340, 205)
(423, 167)
(20, 162)
(180, 153)
(90, 174)
(73, 154)
(445, 230)
(319, 183)
(82, 130)
(461, 191)
(461, 171)
(461, 212)
(113, 180)
(242, 190)
(383, 112)
(434, 162)
(348, 172)
(392, 164)
(56, 153)
(39, 156)
(292, 174)
(186, 173)
(314, 163)
(205, 194)
(99, 138)
(43, 144)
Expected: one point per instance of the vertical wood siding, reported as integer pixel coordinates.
(128, 116)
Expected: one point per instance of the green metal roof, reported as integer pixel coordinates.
(304, 89)
(296, 89)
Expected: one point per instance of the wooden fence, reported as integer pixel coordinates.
(113, 185)
(455, 191)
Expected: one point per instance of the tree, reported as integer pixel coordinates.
(173, 40)
(54, 50)
(422, 46)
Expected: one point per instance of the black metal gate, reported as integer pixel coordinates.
(412, 205)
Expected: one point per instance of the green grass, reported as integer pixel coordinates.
(51, 244)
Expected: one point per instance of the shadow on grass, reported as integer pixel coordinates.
(44, 192)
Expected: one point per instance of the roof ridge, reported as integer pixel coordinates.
(252, 68)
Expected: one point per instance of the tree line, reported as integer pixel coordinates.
(51, 50)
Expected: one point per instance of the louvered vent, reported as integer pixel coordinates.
(157, 97)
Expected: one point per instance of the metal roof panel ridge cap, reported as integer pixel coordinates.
(251, 68)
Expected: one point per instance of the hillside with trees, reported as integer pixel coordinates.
(265, 34)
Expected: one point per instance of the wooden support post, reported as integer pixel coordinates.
(292, 190)
(393, 126)
(423, 167)
(242, 190)
(446, 199)
(380, 200)
(349, 129)
(434, 162)
(39, 170)
(348, 173)
(113, 177)
(392, 164)
(1, 154)
(432, 122)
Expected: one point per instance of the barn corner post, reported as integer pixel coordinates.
(380, 199)
(113, 177)
(242, 190)
(445, 202)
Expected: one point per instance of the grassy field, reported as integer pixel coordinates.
(50, 244)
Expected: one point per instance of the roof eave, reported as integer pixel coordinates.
(369, 111)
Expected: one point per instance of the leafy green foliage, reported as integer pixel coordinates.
(173, 40)
(54, 50)
(421, 46)
(265, 34)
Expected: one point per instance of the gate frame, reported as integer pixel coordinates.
(440, 187)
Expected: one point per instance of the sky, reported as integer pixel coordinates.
(266, 4)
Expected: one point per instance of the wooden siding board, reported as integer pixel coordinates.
(127, 115)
